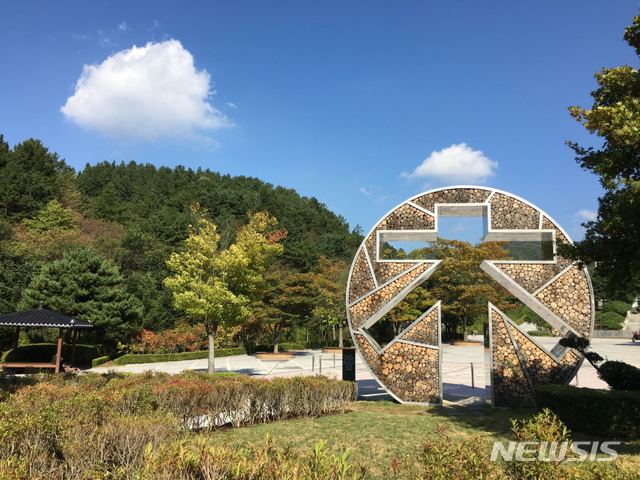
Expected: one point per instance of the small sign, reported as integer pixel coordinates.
(349, 364)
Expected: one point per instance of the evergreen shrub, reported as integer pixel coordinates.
(131, 358)
(620, 375)
(44, 352)
(541, 333)
(96, 362)
(611, 413)
(621, 308)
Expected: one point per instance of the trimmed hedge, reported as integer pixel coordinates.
(133, 358)
(620, 375)
(609, 321)
(612, 413)
(99, 361)
(43, 352)
(540, 333)
(621, 308)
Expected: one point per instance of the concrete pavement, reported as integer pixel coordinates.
(458, 387)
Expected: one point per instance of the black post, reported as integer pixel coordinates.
(349, 364)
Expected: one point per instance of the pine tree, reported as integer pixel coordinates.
(85, 285)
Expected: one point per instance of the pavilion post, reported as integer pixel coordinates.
(59, 352)
(16, 338)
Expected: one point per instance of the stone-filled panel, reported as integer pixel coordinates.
(510, 214)
(509, 381)
(371, 357)
(568, 297)
(530, 276)
(362, 281)
(360, 312)
(407, 217)
(424, 331)
(386, 271)
(411, 372)
(542, 368)
(455, 195)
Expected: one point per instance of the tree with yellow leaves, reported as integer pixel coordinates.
(216, 286)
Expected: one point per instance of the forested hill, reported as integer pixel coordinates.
(156, 201)
(137, 214)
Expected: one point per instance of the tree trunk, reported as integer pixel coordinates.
(340, 336)
(333, 332)
(464, 328)
(276, 339)
(211, 328)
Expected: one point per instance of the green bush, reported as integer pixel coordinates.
(132, 358)
(620, 375)
(610, 413)
(347, 343)
(609, 321)
(99, 361)
(621, 308)
(544, 428)
(44, 352)
(444, 457)
(541, 333)
(281, 347)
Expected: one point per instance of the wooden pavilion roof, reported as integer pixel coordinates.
(42, 318)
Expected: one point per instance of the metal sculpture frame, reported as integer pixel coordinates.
(410, 366)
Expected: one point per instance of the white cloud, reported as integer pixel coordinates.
(588, 215)
(123, 26)
(364, 190)
(458, 163)
(145, 93)
(231, 105)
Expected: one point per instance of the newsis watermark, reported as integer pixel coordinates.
(554, 451)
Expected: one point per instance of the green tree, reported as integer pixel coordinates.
(85, 285)
(17, 267)
(460, 284)
(216, 286)
(330, 307)
(53, 216)
(613, 239)
(29, 178)
(288, 301)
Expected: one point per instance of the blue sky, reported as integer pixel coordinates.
(361, 104)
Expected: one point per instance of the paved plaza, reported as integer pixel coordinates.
(458, 387)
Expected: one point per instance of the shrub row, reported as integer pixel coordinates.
(44, 352)
(131, 358)
(110, 426)
(96, 362)
(540, 333)
(604, 412)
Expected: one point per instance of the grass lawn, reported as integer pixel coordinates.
(378, 432)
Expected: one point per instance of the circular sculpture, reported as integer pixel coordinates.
(409, 366)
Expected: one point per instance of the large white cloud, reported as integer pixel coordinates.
(458, 163)
(145, 93)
